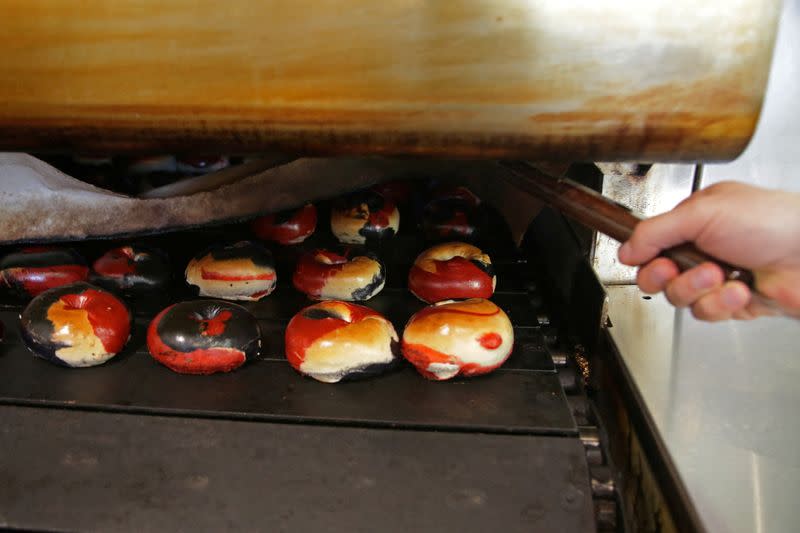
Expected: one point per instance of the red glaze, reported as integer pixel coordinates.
(311, 275)
(117, 262)
(421, 356)
(458, 226)
(210, 274)
(303, 331)
(380, 219)
(204, 361)
(432, 310)
(36, 280)
(455, 278)
(299, 225)
(109, 318)
(214, 326)
(490, 341)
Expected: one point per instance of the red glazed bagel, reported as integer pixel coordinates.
(204, 337)
(241, 271)
(450, 338)
(33, 270)
(288, 227)
(453, 213)
(452, 270)
(76, 325)
(327, 275)
(332, 341)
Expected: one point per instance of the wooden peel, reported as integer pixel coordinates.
(607, 216)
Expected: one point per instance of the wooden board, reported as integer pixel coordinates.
(658, 80)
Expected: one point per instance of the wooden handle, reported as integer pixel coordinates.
(606, 216)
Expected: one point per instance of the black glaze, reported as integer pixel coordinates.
(37, 331)
(152, 272)
(374, 202)
(42, 257)
(254, 251)
(321, 314)
(486, 267)
(181, 327)
(379, 278)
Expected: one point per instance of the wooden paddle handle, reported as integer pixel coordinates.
(607, 216)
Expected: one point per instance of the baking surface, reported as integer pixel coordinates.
(524, 396)
(570, 80)
(115, 472)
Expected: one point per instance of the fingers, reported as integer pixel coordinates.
(654, 276)
(682, 224)
(729, 301)
(703, 289)
(693, 284)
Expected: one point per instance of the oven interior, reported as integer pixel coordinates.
(555, 440)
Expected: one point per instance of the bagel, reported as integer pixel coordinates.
(452, 214)
(452, 270)
(334, 341)
(287, 227)
(450, 338)
(351, 276)
(131, 269)
(34, 270)
(364, 217)
(76, 325)
(241, 271)
(204, 337)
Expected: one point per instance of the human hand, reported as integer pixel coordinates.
(747, 226)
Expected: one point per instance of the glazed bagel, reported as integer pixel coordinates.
(204, 337)
(364, 217)
(452, 270)
(450, 338)
(131, 269)
(452, 214)
(334, 341)
(76, 325)
(287, 227)
(241, 271)
(328, 275)
(34, 270)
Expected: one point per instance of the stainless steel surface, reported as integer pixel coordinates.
(570, 80)
(772, 159)
(657, 191)
(724, 399)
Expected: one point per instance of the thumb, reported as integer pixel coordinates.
(683, 224)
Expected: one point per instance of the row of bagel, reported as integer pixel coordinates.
(74, 323)
(81, 325)
(246, 271)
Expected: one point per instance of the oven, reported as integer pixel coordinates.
(312, 106)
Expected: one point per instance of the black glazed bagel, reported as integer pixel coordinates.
(453, 213)
(204, 337)
(365, 217)
(131, 269)
(33, 270)
(76, 325)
